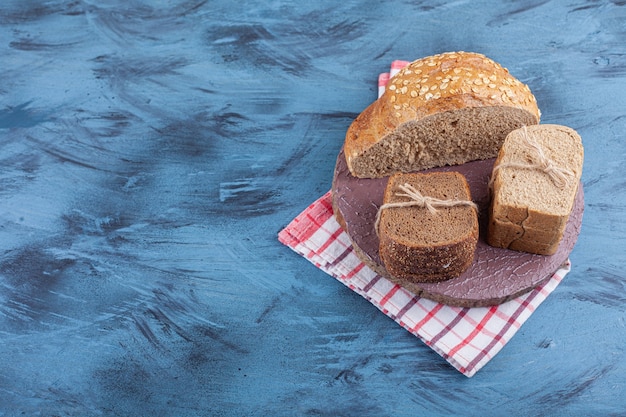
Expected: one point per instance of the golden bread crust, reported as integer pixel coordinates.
(436, 84)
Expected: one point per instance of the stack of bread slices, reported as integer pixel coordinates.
(447, 110)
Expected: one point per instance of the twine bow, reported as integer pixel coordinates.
(417, 199)
(560, 177)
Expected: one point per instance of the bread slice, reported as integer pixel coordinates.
(420, 246)
(442, 110)
(529, 208)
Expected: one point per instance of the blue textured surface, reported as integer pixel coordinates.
(150, 151)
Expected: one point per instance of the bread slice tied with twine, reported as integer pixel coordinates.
(427, 226)
(533, 186)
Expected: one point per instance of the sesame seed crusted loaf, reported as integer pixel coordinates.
(423, 246)
(531, 201)
(446, 109)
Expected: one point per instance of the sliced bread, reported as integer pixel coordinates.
(419, 245)
(534, 183)
(446, 109)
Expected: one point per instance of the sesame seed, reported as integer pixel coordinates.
(414, 93)
(392, 87)
(429, 96)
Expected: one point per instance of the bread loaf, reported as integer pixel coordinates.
(534, 183)
(421, 246)
(446, 109)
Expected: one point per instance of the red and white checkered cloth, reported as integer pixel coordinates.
(468, 338)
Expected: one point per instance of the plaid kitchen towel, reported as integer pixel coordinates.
(468, 338)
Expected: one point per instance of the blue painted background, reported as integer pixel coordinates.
(150, 151)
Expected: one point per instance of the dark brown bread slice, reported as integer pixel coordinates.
(420, 246)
